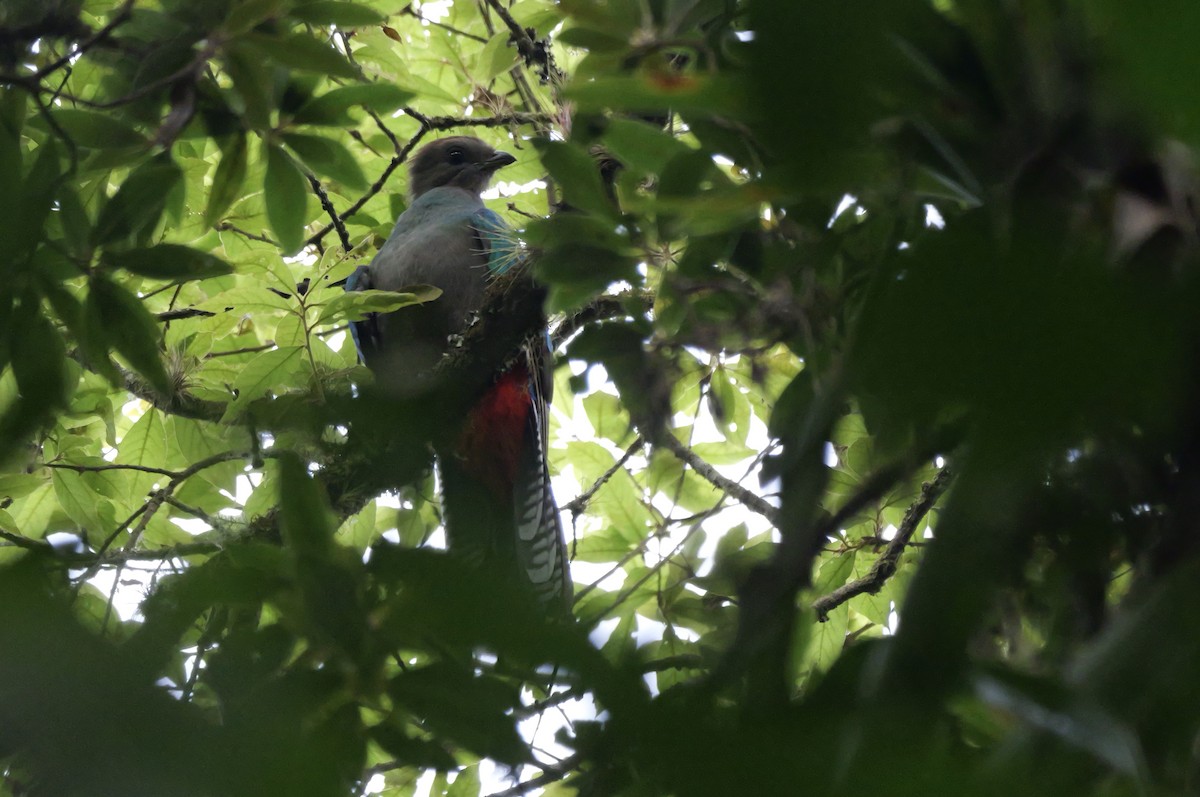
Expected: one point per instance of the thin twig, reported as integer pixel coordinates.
(24, 542)
(186, 312)
(736, 491)
(119, 18)
(226, 226)
(461, 33)
(577, 504)
(549, 775)
(505, 120)
(375, 187)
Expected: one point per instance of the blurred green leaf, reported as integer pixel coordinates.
(168, 262)
(469, 709)
(93, 129)
(302, 52)
(125, 325)
(355, 305)
(138, 203)
(287, 199)
(330, 107)
(576, 172)
(228, 178)
(343, 15)
(496, 57)
(327, 157)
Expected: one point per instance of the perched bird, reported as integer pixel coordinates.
(495, 480)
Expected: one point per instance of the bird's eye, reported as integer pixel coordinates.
(456, 156)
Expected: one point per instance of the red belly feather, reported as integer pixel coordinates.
(490, 444)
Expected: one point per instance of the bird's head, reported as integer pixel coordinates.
(462, 161)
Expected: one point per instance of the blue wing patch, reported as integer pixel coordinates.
(366, 332)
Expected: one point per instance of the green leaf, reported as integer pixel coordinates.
(79, 501)
(249, 13)
(125, 324)
(643, 146)
(39, 357)
(287, 199)
(661, 91)
(328, 157)
(93, 130)
(608, 417)
(827, 638)
(591, 39)
(833, 573)
(252, 79)
(303, 53)
(326, 577)
(227, 179)
(146, 441)
(355, 305)
(139, 202)
(469, 709)
(268, 371)
(37, 195)
(1153, 48)
(341, 14)
(168, 262)
(18, 485)
(578, 174)
(495, 58)
(305, 519)
(330, 107)
(144, 444)
(466, 783)
(77, 227)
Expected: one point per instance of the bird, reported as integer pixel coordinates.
(498, 506)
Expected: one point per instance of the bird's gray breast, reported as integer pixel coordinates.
(429, 246)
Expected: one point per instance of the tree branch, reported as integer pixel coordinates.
(549, 775)
(735, 491)
(534, 52)
(579, 502)
(119, 18)
(330, 210)
(186, 312)
(885, 566)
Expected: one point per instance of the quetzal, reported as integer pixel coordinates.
(496, 496)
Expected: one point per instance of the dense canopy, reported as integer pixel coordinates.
(874, 425)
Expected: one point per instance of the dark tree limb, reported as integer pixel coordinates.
(885, 566)
(186, 312)
(178, 403)
(120, 17)
(330, 211)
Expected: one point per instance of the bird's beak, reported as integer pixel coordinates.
(497, 161)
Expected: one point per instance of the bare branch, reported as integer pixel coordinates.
(330, 210)
(187, 312)
(535, 53)
(885, 566)
(461, 33)
(375, 187)
(505, 120)
(549, 775)
(226, 226)
(579, 503)
(119, 18)
(735, 491)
